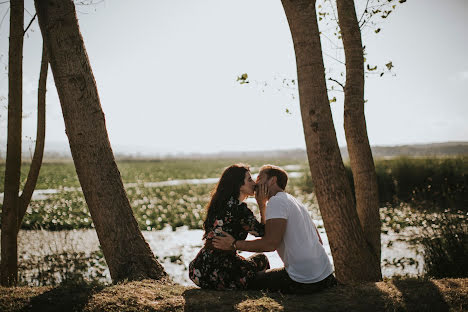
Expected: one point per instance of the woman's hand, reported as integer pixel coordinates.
(223, 242)
(261, 195)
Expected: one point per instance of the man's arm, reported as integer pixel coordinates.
(274, 232)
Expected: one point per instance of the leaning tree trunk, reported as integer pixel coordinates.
(360, 154)
(126, 251)
(36, 162)
(351, 254)
(9, 248)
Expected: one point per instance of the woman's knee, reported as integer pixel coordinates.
(261, 260)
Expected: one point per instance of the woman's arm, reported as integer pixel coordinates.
(250, 223)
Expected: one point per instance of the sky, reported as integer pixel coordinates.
(166, 74)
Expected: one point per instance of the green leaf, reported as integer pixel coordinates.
(333, 100)
(389, 65)
(377, 30)
(243, 78)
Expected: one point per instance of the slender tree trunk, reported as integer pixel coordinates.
(36, 162)
(9, 248)
(360, 154)
(127, 253)
(350, 252)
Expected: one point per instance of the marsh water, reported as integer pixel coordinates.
(175, 249)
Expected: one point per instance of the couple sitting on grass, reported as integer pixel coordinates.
(285, 227)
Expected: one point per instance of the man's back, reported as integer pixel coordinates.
(304, 257)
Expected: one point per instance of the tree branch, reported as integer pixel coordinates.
(334, 58)
(29, 25)
(4, 15)
(336, 81)
(364, 12)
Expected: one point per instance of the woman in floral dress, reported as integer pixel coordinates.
(219, 269)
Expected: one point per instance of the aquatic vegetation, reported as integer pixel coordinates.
(445, 244)
(405, 186)
(422, 183)
(65, 267)
(153, 207)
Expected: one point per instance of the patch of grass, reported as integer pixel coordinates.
(65, 297)
(423, 183)
(60, 268)
(445, 246)
(436, 183)
(148, 295)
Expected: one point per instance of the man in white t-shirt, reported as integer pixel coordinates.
(290, 231)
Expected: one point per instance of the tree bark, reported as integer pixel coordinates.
(350, 252)
(9, 248)
(360, 154)
(36, 162)
(127, 253)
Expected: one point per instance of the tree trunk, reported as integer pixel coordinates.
(36, 162)
(360, 154)
(127, 253)
(350, 252)
(9, 248)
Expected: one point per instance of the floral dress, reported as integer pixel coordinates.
(219, 269)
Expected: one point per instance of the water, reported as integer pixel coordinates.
(175, 249)
(44, 194)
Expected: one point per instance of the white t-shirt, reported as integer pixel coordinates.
(304, 257)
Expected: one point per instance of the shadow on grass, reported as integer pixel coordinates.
(421, 295)
(339, 298)
(392, 295)
(398, 295)
(213, 300)
(65, 297)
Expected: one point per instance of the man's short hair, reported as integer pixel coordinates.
(275, 171)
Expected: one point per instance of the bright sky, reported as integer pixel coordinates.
(166, 74)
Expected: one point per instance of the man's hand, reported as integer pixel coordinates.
(261, 195)
(223, 242)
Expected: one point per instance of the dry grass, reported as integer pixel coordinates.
(391, 295)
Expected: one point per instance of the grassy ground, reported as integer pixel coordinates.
(391, 295)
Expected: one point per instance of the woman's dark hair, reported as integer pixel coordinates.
(228, 186)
